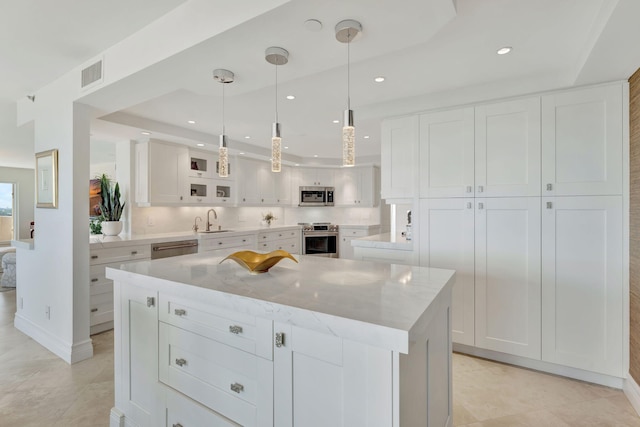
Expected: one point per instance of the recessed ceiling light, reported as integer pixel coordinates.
(291, 97)
(145, 133)
(241, 153)
(379, 79)
(247, 137)
(297, 164)
(504, 50)
(315, 155)
(286, 148)
(336, 121)
(366, 137)
(200, 145)
(191, 122)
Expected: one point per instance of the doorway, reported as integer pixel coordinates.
(7, 213)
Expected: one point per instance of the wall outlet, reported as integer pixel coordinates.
(47, 312)
(150, 221)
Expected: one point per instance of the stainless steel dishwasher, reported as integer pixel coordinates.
(169, 249)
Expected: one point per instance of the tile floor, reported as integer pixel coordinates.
(38, 389)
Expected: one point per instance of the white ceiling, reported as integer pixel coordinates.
(432, 54)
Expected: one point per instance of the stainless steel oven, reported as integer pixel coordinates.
(320, 239)
(316, 196)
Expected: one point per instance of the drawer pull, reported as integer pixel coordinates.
(235, 329)
(549, 187)
(94, 256)
(181, 362)
(134, 252)
(237, 387)
(95, 279)
(93, 310)
(549, 205)
(219, 243)
(177, 425)
(180, 312)
(151, 301)
(279, 339)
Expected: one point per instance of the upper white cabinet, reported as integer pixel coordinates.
(582, 291)
(258, 185)
(447, 154)
(447, 241)
(582, 142)
(357, 186)
(161, 172)
(202, 164)
(309, 177)
(507, 148)
(507, 276)
(399, 158)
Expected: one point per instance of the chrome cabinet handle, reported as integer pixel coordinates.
(549, 205)
(237, 387)
(180, 312)
(279, 339)
(235, 329)
(95, 279)
(549, 187)
(177, 425)
(219, 243)
(469, 189)
(93, 310)
(134, 252)
(181, 362)
(480, 205)
(151, 301)
(480, 188)
(469, 205)
(94, 256)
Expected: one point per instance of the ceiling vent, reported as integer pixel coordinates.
(92, 74)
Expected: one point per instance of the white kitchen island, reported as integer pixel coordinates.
(326, 342)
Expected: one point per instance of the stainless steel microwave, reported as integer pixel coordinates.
(316, 196)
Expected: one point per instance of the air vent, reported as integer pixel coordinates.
(92, 74)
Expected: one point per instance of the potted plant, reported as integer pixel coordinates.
(268, 218)
(110, 207)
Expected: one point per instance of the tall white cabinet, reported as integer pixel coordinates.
(525, 199)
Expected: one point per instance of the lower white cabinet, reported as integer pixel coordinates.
(287, 240)
(507, 242)
(582, 293)
(215, 241)
(447, 241)
(347, 234)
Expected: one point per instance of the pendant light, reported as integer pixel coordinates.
(346, 32)
(276, 56)
(224, 77)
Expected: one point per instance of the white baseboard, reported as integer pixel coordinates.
(70, 353)
(116, 418)
(632, 391)
(538, 365)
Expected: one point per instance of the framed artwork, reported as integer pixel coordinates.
(47, 179)
(94, 198)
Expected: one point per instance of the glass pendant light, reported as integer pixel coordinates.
(276, 56)
(347, 31)
(224, 77)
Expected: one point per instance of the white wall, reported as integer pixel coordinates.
(24, 180)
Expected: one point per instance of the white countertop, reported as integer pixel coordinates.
(384, 241)
(382, 302)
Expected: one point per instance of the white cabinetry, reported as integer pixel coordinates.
(447, 241)
(507, 145)
(288, 240)
(582, 315)
(309, 177)
(357, 186)
(447, 154)
(258, 186)
(101, 288)
(347, 234)
(399, 158)
(202, 164)
(507, 276)
(161, 173)
(214, 241)
(582, 142)
(136, 356)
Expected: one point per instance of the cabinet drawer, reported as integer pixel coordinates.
(289, 245)
(353, 232)
(182, 411)
(246, 241)
(125, 253)
(270, 236)
(232, 382)
(101, 308)
(238, 330)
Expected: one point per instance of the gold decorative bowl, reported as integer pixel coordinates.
(258, 263)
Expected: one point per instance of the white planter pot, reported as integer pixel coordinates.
(111, 228)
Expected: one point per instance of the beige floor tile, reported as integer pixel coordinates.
(460, 414)
(541, 418)
(613, 411)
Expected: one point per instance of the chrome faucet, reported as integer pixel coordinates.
(215, 216)
(195, 224)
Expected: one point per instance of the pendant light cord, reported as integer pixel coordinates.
(276, 91)
(348, 70)
(223, 83)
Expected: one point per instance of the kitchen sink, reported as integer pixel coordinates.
(213, 231)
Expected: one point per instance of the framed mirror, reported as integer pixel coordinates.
(47, 179)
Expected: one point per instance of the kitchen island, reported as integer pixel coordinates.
(325, 342)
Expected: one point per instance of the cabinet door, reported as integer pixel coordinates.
(347, 183)
(167, 173)
(202, 164)
(321, 379)
(508, 148)
(136, 355)
(447, 241)
(266, 184)
(201, 191)
(582, 283)
(508, 275)
(582, 142)
(247, 182)
(447, 154)
(399, 149)
(367, 185)
(282, 182)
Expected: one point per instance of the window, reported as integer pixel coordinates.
(6, 213)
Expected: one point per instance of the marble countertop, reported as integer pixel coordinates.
(384, 241)
(382, 302)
